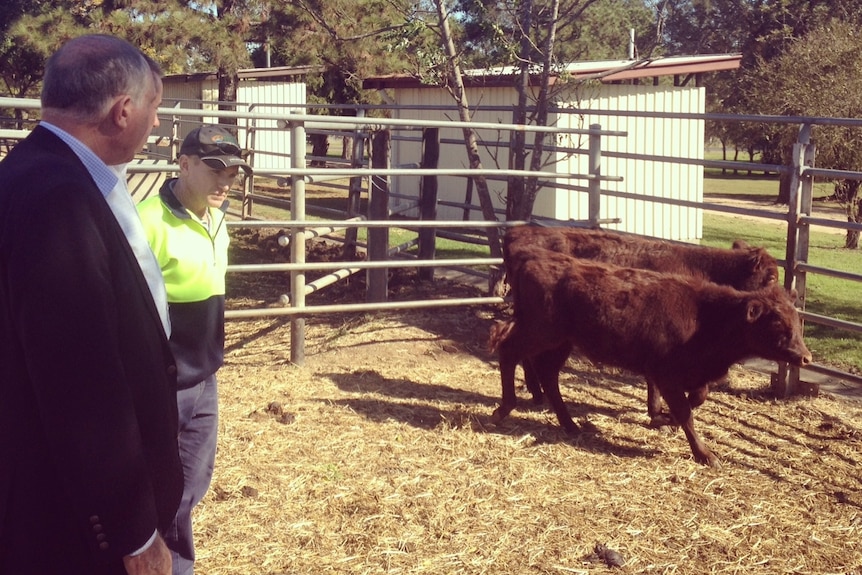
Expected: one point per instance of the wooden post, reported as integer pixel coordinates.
(594, 170)
(468, 200)
(428, 199)
(786, 382)
(354, 194)
(248, 179)
(377, 280)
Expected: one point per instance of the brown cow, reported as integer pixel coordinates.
(681, 332)
(743, 267)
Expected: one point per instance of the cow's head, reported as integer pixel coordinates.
(775, 328)
(762, 267)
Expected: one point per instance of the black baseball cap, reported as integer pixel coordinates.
(215, 146)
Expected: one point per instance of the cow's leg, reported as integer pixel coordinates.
(531, 380)
(657, 417)
(508, 357)
(548, 365)
(681, 411)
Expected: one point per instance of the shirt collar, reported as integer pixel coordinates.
(105, 177)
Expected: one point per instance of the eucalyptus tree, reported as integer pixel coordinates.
(536, 38)
(818, 75)
(762, 31)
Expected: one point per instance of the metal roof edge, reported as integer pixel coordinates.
(245, 74)
(604, 70)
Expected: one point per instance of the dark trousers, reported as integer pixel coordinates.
(198, 425)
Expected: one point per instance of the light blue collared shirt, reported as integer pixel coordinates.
(111, 181)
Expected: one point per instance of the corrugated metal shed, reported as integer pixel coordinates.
(262, 90)
(490, 91)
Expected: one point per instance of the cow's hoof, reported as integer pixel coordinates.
(708, 459)
(571, 428)
(499, 415)
(662, 420)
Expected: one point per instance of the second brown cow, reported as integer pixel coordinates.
(680, 332)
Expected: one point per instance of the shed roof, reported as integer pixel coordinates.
(291, 73)
(606, 71)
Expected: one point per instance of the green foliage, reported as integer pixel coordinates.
(586, 30)
(791, 57)
(824, 62)
(603, 32)
(183, 36)
(705, 26)
(346, 40)
(21, 62)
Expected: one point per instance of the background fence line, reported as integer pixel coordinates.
(797, 217)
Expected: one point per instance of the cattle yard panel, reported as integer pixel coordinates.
(798, 216)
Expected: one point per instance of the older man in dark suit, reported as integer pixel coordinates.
(89, 466)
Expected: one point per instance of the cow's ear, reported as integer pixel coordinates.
(740, 245)
(756, 257)
(754, 310)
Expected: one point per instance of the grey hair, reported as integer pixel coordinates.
(88, 72)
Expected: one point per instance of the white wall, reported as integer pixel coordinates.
(651, 136)
(646, 136)
(271, 144)
(452, 188)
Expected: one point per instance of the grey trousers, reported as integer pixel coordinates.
(198, 429)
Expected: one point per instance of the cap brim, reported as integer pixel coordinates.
(227, 162)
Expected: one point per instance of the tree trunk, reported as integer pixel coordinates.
(228, 81)
(471, 141)
(783, 189)
(849, 194)
(542, 104)
(516, 187)
(347, 147)
(319, 149)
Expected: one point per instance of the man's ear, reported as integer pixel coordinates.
(183, 162)
(121, 110)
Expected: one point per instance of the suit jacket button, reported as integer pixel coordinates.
(94, 519)
(172, 370)
(103, 546)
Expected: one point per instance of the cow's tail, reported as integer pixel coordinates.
(500, 332)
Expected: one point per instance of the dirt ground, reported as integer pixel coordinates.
(377, 456)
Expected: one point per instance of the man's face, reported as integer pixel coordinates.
(130, 122)
(206, 185)
(143, 115)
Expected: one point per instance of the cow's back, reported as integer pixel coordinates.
(742, 267)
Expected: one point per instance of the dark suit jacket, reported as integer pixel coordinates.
(88, 423)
